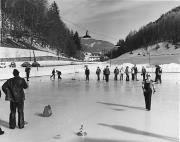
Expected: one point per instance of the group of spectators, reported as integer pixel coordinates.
(127, 71)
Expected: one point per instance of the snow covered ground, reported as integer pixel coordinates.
(110, 112)
(161, 55)
(14, 53)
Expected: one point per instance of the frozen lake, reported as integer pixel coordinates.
(110, 112)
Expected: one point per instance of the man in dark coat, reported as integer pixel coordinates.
(87, 72)
(98, 72)
(156, 73)
(116, 72)
(59, 74)
(27, 70)
(53, 74)
(14, 89)
(107, 73)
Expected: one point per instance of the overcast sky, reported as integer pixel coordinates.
(111, 19)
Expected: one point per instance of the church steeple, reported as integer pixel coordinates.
(87, 35)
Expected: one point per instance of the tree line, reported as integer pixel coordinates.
(166, 28)
(37, 19)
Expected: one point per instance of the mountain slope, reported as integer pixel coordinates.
(165, 28)
(93, 45)
(161, 53)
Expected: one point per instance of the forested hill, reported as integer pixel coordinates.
(166, 28)
(37, 23)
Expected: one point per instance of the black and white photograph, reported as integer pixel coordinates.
(89, 70)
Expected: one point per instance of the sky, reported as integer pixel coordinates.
(111, 20)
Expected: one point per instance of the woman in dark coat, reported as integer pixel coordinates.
(148, 87)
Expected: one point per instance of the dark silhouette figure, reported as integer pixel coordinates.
(98, 72)
(116, 72)
(143, 73)
(58, 74)
(1, 131)
(132, 73)
(53, 74)
(87, 72)
(127, 73)
(107, 73)
(158, 73)
(14, 90)
(27, 70)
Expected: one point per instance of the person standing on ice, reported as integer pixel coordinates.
(121, 73)
(98, 72)
(87, 72)
(156, 73)
(132, 73)
(159, 74)
(116, 72)
(14, 90)
(148, 87)
(27, 70)
(107, 73)
(143, 73)
(135, 72)
(59, 74)
(53, 74)
(127, 73)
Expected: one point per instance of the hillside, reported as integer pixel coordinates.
(93, 45)
(161, 53)
(166, 28)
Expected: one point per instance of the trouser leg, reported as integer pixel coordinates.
(98, 77)
(12, 116)
(156, 78)
(160, 78)
(143, 77)
(20, 106)
(115, 77)
(132, 76)
(107, 78)
(149, 102)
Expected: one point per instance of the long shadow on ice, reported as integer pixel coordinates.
(106, 140)
(39, 114)
(4, 123)
(111, 104)
(139, 132)
(118, 109)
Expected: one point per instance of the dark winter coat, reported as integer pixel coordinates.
(107, 71)
(98, 71)
(27, 69)
(87, 72)
(14, 88)
(135, 70)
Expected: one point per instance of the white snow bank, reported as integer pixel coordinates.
(14, 53)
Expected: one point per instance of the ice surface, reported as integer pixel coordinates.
(110, 112)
